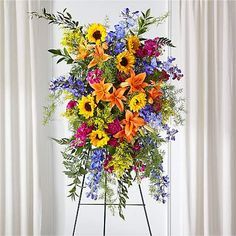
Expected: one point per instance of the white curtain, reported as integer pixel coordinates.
(206, 41)
(25, 161)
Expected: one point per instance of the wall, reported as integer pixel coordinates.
(90, 218)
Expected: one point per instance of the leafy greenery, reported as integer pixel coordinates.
(54, 100)
(63, 19)
(146, 20)
(123, 184)
(165, 41)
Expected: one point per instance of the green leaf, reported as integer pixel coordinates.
(55, 51)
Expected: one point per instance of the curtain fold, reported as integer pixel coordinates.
(207, 36)
(25, 161)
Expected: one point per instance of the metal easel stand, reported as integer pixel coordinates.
(105, 204)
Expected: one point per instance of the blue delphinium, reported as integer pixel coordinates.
(70, 84)
(160, 183)
(130, 18)
(170, 133)
(95, 173)
(151, 117)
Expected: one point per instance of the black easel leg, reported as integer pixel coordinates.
(105, 208)
(78, 207)
(145, 210)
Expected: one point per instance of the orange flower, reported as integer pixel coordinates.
(116, 98)
(121, 135)
(98, 56)
(132, 122)
(136, 82)
(101, 90)
(155, 93)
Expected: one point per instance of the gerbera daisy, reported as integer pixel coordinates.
(96, 33)
(125, 61)
(137, 102)
(133, 43)
(99, 138)
(86, 106)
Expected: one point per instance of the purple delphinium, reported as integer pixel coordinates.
(172, 70)
(152, 118)
(170, 133)
(160, 183)
(95, 173)
(70, 84)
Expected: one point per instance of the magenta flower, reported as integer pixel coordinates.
(94, 76)
(113, 142)
(106, 162)
(150, 48)
(71, 104)
(114, 127)
(81, 135)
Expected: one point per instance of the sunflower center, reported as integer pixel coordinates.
(97, 137)
(124, 61)
(88, 106)
(97, 35)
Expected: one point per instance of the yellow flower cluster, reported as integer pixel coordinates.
(70, 39)
(121, 161)
(167, 111)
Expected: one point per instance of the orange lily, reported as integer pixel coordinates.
(101, 90)
(155, 93)
(116, 98)
(132, 121)
(121, 135)
(136, 82)
(98, 56)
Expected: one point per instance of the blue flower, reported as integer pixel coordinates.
(95, 174)
(160, 183)
(119, 47)
(72, 85)
(170, 133)
(120, 31)
(152, 118)
(111, 36)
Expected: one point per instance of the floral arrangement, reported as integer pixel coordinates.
(119, 102)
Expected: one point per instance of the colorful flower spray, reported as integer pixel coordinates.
(120, 98)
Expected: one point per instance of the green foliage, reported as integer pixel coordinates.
(165, 42)
(123, 184)
(63, 19)
(107, 182)
(63, 54)
(109, 71)
(54, 100)
(76, 165)
(146, 20)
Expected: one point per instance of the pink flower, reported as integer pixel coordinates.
(71, 104)
(113, 142)
(94, 76)
(136, 146)
(114, 127)
(81, 135)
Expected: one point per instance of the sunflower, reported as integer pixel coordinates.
(99, 138)
(125, 61)
(137, 102)
(86, 106)
(133, 43)
(96, 33)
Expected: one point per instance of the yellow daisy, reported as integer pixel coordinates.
(86, 106)
(137, 102)
(125, 61)
(133, 43)
(96, 33)
(99, 138)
